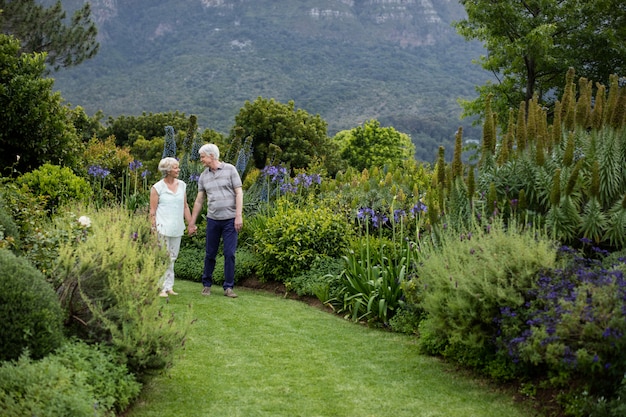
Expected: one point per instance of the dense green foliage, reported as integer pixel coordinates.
(532, 44)
(282, 132)
(109, 283)
(45, 29)
(59, 185)
(77, 380)
(29, 310)
(288, 239)
(465, 281)
(34, 126)
(371, 145)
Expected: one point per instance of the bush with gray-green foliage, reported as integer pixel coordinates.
(30, 313)
(44, 388)
(77, 380)
(110, 286)
(464, 282)
(113, 386)
(289, 238)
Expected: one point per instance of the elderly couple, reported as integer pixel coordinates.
(219, 184)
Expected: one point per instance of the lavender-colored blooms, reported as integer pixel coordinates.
(98, 171)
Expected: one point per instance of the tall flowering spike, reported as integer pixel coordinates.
(531, 121)
(520, 131)
(611, 101)
(568, 154)
(594, 189)
(169, 148)
(542, 128)
(235, 144)
(245, 154)
(191, 133)
(489, 130)
(194, 155)
(510, 130)
(471, 184)
(619, 113)
(557, 128)
(583, 105)
(540, 157)
(597, 114)
(569, 101)
(441, 167)
(571, 181)
(505, 147)
(457, 163)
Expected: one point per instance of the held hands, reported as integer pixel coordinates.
(192, 229)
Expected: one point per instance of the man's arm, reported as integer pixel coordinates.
(197, 208)
(238, 208)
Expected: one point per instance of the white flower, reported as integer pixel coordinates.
(84, 221)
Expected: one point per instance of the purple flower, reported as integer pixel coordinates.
(135, 165)
(98, 171)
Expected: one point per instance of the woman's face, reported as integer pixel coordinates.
(174, 171)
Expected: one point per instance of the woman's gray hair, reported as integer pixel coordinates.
(166, 164)
(210, 149)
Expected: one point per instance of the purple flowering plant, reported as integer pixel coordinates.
(573, 322)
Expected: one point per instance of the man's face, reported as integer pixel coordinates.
(206, 160)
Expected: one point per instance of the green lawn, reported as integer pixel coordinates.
(263, 355)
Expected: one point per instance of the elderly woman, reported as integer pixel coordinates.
(168, 212)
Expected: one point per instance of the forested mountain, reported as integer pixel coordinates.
(397, 61)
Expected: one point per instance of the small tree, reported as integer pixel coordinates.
(372, 145)
(34, 127)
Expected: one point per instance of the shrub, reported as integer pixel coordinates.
(9, 234)
(30, 312)
(573, 326)
(311, 281)
(45, 388)
(290, 239)
(109, 380)
(469, 278)
(190, 265)
(58, 184)
(110, 283)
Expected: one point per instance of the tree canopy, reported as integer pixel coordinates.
(531, 45)
(298, 137)
(42, 29)
(372, 145)
(34, 126)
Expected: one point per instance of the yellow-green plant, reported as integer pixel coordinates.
(110, 285)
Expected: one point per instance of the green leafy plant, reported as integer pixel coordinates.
(465, 281)
(292, 238)
(110, 282)
(59, 185)
(29, 310)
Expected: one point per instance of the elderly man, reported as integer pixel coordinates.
(219, 184)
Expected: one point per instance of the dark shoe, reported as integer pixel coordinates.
(228, 292)
(206, 291)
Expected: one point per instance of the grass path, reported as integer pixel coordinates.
(262, 355)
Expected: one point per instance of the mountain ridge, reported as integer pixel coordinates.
(397, 61)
